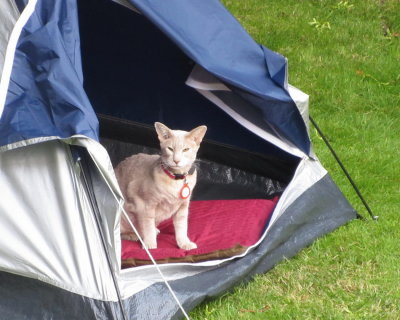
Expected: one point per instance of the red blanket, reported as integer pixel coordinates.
(220, 228)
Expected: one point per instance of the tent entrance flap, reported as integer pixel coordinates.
(239, 109)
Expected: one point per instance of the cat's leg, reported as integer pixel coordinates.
(143, 217)
(180, 220)
(148, 231)
(127, 233)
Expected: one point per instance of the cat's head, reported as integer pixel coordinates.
(179, 148)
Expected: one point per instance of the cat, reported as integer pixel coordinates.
(157, 187)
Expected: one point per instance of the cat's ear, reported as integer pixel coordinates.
(197, 134)
(163, 131)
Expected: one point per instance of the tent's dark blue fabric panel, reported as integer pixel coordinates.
(46, 95)
(213, 38)
(21, 4)
(318, 211)
(31, 299)
(133, 71)
(276, 66)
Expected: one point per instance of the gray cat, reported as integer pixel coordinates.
(156, 187)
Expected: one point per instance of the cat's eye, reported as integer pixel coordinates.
(185, 150)
(170, 149)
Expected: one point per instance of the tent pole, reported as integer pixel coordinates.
(84, 169)
(356, 189)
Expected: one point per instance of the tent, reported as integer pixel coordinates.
(81, 84)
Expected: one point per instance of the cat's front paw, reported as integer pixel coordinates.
(188, 245)
(150, 244)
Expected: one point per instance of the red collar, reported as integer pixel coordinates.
(176, 176)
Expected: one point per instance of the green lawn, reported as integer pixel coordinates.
(346, 56)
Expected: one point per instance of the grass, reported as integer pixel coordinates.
(346, 56)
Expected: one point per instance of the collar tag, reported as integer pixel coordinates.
(185, 191)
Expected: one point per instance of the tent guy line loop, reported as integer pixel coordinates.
(143, 244)
(356, 189)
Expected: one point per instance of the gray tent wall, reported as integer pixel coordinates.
(51, 255)
(54, 263)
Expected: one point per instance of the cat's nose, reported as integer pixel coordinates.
(177, 161)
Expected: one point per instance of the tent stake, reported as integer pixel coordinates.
(356, 189)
